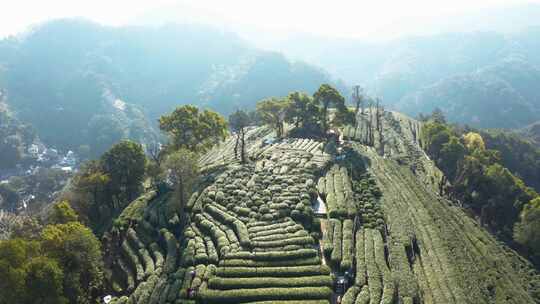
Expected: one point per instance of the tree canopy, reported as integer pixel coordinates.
(238, 121)
(309, 115)
(327, 96)
(124, 163)
(191, 129)
(272, 111)
(63, 265)
(477, 176)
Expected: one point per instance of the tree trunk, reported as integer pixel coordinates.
(325, 114)
(243, 146)
(236, 146)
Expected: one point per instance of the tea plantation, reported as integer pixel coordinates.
(252, 234)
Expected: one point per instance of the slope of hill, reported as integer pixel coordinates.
(417, 74)
(506, 89)
(532, 132)
(80, 83)
(251, 234)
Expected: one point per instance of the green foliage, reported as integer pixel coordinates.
(10, 197)
(310, 116)
(15, 137)
(326, 97)
(434, 136)
(91, 198)
(261, 294)
(104, 187)
(78, 252)
(526, 230)
(272, 111)
(238, 121)
(343, 116)
(190, 129)
(266, 282)
(63, 266)
(272, 271)
(517, 154)
(303, 113)
(62, 213)
(44, 279)
(477, 175)
(183, 169)
(124, 163)
(451, 154)
(474, 141)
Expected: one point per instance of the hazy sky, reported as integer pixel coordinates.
(356, 18)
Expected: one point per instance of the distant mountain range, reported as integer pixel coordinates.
(78, 83)
(485, 66)
(83, 85)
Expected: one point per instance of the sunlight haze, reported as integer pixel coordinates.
(359, 19)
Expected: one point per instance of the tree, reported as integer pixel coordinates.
(13, 255)
(91, 193)
(124, 163)
(451, 154)
(78, 252)
(343, 116)
(358, 98)
(474, 141)
(238, 121)
(183, 169)
(62, 213)
(272, 112)
(27, 275)
(44, 281)
(190, 129)
(154, 172)
(526, 230)
(302, 110)
(327, 96)
(438, 116)
(435, 135)
(9, 198)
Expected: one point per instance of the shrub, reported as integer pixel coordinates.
(328, 237)
(133, 261)
(273, 255)
(337, 252)
(278, 263)
(350, 295)
(363, 296)
(172, 249)
(155, 251)
(360, 279)
(373, 274)
(148, 263)
(266, 282)
(261, 294)
(302, 240)
(272, 271)
(347, 254)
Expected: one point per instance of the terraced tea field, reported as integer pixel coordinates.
(250, 235)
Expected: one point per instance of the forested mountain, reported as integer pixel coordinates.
(462, 73)
(532, 132)
(79, 83)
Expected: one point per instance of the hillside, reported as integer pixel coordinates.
(533, 133)
(462, 71)
(256, 233)
(79, 83)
